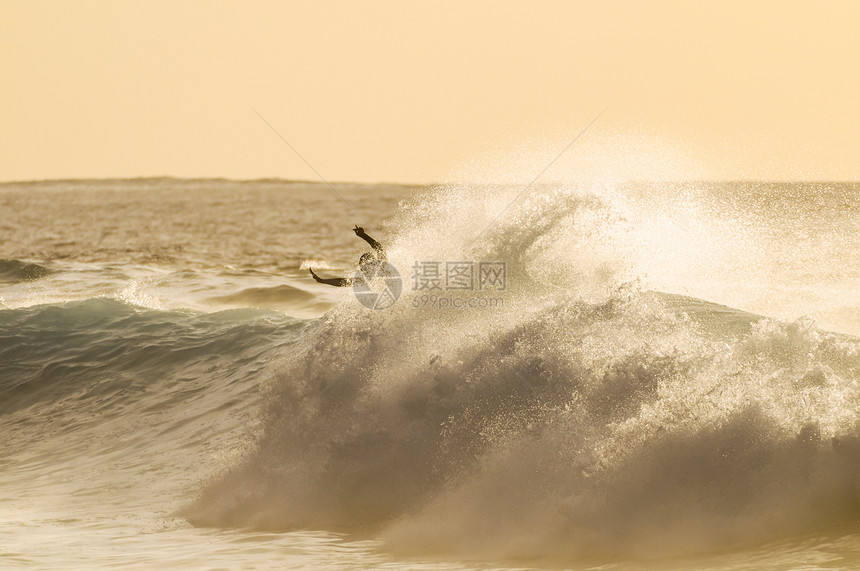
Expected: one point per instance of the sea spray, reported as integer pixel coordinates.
(587, 417)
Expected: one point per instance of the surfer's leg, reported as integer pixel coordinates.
(336, 282)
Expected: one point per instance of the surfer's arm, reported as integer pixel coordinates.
(337, 282)
(380, 251)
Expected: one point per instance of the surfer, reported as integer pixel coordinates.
(369, 264)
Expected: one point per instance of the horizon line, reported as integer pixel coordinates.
(415, 184)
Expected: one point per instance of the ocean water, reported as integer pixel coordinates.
(639, 376)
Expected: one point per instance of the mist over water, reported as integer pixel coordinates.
(673, 373)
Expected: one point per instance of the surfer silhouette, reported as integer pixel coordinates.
(369, 264)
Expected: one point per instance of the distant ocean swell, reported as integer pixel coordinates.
(16, 271)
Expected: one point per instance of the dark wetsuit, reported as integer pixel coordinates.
(369, 263)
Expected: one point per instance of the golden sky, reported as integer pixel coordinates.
(415, 92)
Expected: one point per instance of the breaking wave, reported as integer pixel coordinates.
(586, 418)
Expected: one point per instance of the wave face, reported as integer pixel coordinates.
(110, 352)
(585, 417)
